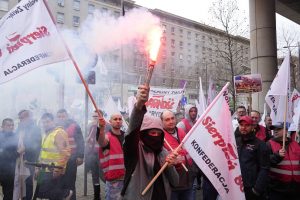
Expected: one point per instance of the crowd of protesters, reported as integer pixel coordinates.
(127, 161)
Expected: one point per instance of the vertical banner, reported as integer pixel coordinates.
(279, 92)
(28, 39)
(211, 144)
(212, 92)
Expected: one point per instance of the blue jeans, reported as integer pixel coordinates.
(113, 190)
(182, 194)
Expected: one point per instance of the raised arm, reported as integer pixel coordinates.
(132, 135)
(102, 139)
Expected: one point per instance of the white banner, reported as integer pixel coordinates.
(281, 82)
(161, 99)
(28, 39)
(296, 111)
(262, 119)
(201, 104)
(111, 108)
(279, 94)
(295, 100)
(212, 92)
(211, 144)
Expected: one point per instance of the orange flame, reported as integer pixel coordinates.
(154, 37)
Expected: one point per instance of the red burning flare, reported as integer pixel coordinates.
(154, 37)
(153, 47)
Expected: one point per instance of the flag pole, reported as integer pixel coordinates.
(284, 121)
(74, 63)
(186, 137)
(182, 164)
(202, 116)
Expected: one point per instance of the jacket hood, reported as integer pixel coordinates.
(150, 122)
(187, 109)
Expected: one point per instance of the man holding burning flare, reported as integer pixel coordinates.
(144, 155)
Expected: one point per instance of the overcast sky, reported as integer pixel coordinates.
(198, 10)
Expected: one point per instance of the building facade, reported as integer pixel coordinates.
(189, 49)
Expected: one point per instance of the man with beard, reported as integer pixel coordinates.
(260, 131)
(254, 160)
(240, 111)
(285, 165)
(77, 148)
(30, 137)
(144, 155)
(268, 124)
(173, 137)
(55, 151)
(190, 118)
(8, 156)
(111, 156)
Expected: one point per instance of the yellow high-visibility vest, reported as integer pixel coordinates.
(50, 154)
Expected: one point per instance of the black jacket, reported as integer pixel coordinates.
(32, 140)
(254, 161)
(8, 153)
(78, 137)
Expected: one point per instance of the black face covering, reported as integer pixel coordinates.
(155, 143)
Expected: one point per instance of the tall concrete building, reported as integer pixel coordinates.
(189, 49)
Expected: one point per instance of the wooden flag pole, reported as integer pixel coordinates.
(75, 65)
(284, 122)
(186, 137)
(182, 164)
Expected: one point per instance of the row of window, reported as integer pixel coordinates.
(60, 18)
(76, 4)
(91, 7)
(189, 34)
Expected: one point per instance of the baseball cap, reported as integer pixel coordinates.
(278, 125)
(246, 119)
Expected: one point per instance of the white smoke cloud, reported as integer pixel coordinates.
(104, 33)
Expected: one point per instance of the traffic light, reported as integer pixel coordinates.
(89, 77)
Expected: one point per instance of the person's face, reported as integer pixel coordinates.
(278, 133)
(240, 112)
(24, 117)
(116, 121)
(8, 126)
(193, 113)
(268, 121)
(95, 117)
(255, 117)
(245, 128)
(155, 132)
(62, 117)
(47, 124)
(169, 121)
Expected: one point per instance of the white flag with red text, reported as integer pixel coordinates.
(295, 99)
(201, 104)
(296, 111)
(211, 144)
(28, 39)
(161, 99)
